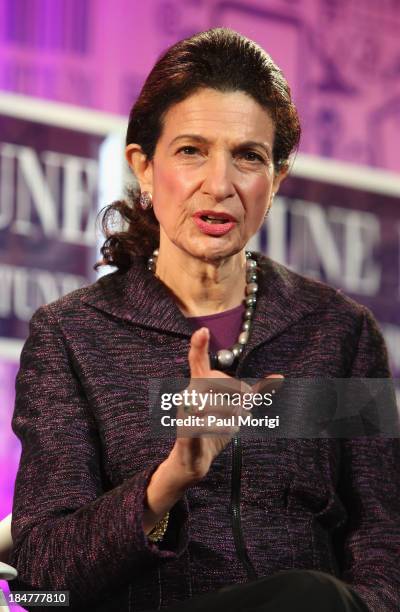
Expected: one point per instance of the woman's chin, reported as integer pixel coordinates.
(213, 252)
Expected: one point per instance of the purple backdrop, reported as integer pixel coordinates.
(49, 179)
(342, 58)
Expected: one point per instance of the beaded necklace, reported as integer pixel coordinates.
(225, 358)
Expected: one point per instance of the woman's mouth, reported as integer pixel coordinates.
(214, 224)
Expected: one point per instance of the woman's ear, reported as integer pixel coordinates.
(141, 166)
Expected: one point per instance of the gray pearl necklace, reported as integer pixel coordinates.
(225, 358)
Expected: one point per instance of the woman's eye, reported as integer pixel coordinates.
(188, 150)
(252, 156)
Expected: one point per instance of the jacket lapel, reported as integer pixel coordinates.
(284, 298)
(139, 297)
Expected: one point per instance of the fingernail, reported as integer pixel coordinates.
(207, 331)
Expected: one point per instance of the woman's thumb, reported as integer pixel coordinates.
(199, 360)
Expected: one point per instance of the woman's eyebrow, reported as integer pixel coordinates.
(240, 145)
(195, 137)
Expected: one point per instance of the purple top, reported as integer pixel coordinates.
(224, 327)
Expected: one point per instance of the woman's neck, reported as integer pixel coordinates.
(202, 287)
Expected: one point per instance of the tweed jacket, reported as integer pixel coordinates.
(88, 454)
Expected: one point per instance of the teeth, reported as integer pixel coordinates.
(214, 220)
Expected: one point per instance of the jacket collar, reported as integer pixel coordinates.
(137, 296)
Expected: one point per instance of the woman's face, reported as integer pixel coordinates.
(214, 155)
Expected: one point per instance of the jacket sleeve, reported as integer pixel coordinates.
(371, 490)
(69, 532)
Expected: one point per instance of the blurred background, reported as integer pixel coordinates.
(71, 69)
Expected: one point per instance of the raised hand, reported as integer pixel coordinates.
(195, 449)
(197, 446)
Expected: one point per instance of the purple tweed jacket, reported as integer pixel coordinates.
(87, 452)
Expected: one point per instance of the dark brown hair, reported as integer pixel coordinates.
(219, 59)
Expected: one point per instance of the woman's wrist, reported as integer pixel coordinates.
(166, 487)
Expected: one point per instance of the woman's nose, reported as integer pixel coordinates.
(218, 180)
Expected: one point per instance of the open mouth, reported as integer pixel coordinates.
(210, 219)
(223, 222)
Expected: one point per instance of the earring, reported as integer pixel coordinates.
(272, 197)
(145, 200)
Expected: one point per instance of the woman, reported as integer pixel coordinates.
(128, 521)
